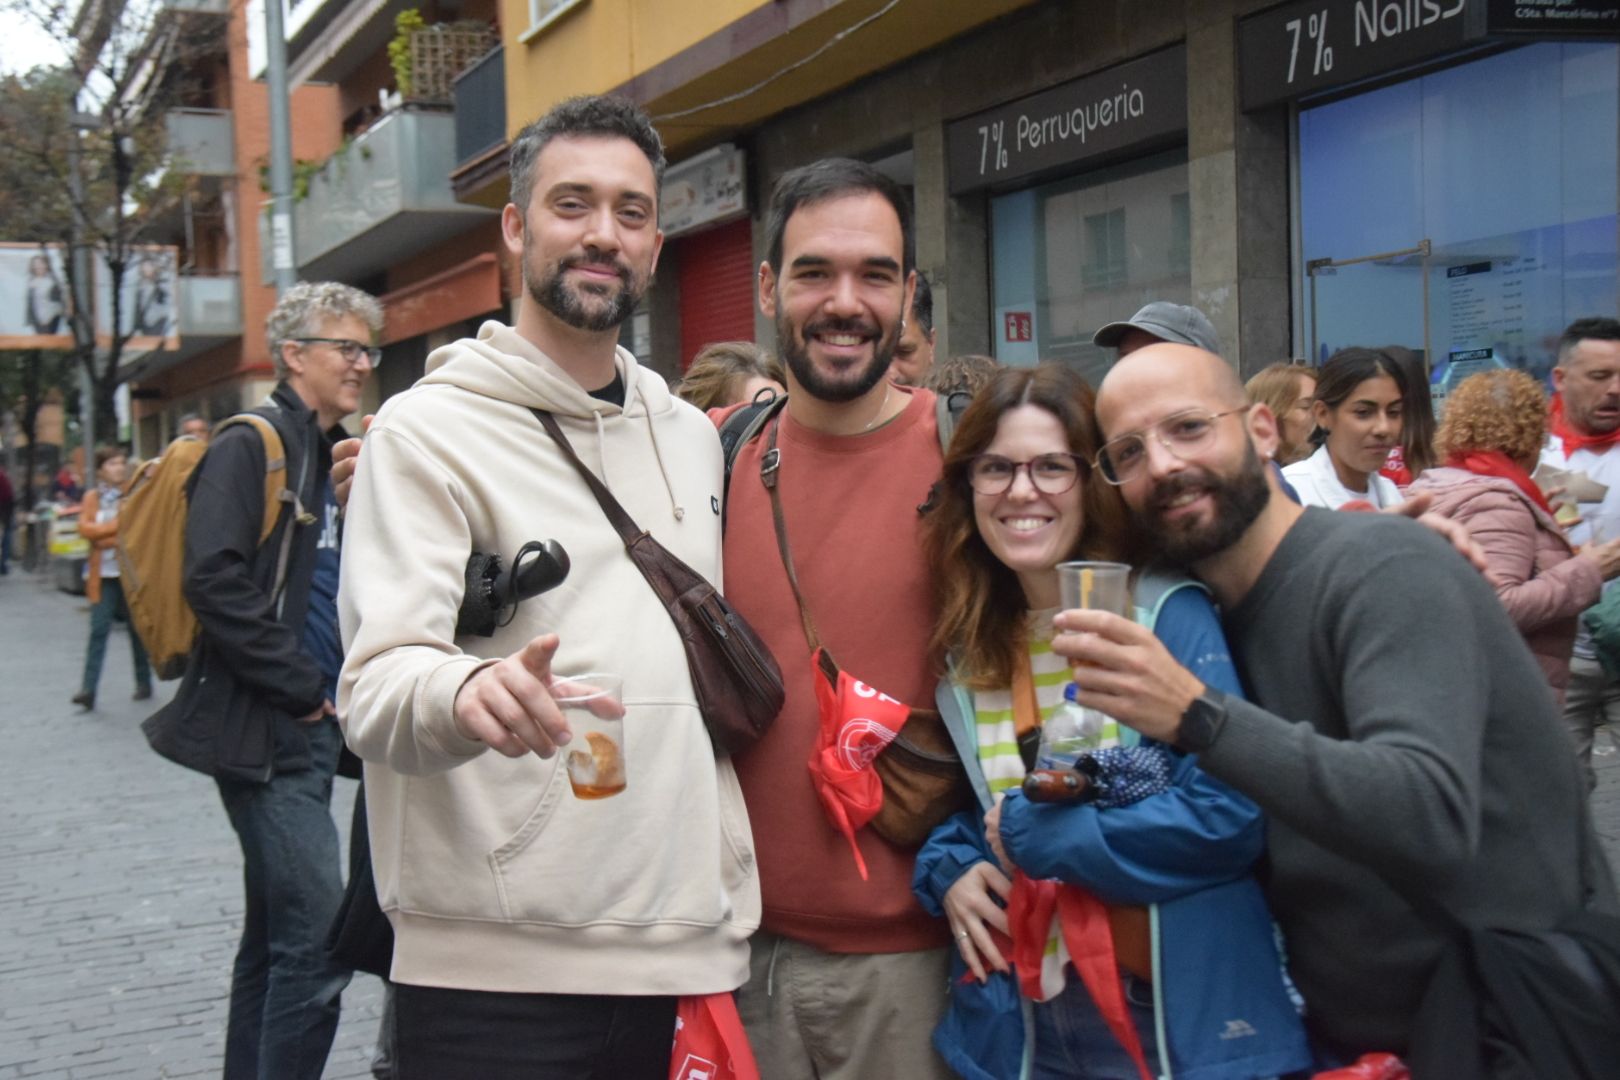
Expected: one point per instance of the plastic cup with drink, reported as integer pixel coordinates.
(595, 758)
(1074, 730)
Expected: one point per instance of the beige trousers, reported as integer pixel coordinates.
(814, 1015)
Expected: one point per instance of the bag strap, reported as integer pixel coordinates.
(769, 467)
(277, 492)
(1026, 708)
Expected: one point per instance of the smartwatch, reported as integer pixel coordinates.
(1202, 722)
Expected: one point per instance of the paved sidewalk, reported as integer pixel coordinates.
(120, 878)
(120, 891)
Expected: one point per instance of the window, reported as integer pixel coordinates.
(1104, 267)
(1074, 254)
(1506, 166)
(542, 13)
(1181, 233)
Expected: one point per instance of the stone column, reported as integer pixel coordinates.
(1238, 174)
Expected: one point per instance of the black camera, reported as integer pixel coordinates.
(493, 590)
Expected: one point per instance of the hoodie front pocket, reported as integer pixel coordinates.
(658, 852)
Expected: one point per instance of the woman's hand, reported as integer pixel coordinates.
(971, 907)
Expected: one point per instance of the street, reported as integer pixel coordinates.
(120, 878)
(120, 894)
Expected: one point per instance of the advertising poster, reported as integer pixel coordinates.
(149, 312)
(34, 297)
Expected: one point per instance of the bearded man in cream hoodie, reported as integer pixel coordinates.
(538, 934)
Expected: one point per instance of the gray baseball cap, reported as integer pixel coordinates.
(1168, 322)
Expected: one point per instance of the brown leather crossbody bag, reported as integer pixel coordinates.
(734, 676)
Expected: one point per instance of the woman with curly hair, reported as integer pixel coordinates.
(1185, 922)
(1495, 423)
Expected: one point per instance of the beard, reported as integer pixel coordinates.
(585, 307)
(1238, 500)
(795, 349)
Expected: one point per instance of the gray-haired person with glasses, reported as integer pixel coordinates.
(255, 707)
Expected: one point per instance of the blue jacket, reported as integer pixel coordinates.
(1223, 1010)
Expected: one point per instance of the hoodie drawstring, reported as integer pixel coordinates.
(652, 432)
(601, 445)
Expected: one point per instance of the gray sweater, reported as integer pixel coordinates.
(1400, 728)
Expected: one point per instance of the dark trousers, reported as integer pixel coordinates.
(102, 612)
(284, 988)
(444, 1034)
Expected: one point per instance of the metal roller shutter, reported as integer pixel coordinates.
(717, 287)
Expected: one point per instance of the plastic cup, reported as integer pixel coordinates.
(1094, 586)
(595, 758)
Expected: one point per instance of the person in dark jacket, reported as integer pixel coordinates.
(255, 707)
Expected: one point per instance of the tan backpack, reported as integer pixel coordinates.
(152, 540)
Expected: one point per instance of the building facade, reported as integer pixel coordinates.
(1432, 173)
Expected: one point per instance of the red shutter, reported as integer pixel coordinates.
(717, 275)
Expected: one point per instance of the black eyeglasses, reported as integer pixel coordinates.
(1052, 474)
(1180, 433)
(350, 350)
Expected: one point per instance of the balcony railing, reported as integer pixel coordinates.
(397, 173)
(207, 7)
(480, 96)
(210, 305)
(202, 142)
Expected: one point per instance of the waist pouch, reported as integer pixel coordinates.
(881, 762)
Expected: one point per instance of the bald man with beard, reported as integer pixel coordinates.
(1398, 732)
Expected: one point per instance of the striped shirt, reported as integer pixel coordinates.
(1004, 768)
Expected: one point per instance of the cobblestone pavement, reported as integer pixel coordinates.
(120, 878)
(120, 890)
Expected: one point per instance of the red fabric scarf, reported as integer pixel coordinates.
(1574, 440)
(1083, 921)
(1496, 463)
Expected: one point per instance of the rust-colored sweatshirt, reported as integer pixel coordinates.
(850, 504)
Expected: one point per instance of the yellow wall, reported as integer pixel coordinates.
(602, 44)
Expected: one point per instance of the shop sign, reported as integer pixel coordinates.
(1553, 18)
(1123, 108)
(706, 190)
(1304, 48)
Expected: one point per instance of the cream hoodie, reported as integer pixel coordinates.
(494, 875)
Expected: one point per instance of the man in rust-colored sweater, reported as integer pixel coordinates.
(848, 977)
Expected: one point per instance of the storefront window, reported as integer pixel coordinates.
(1079, 252)
(1506, 166)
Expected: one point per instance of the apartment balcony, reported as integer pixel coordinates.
(480, 96)
(210, 315)
(383, 197)
(202, 142)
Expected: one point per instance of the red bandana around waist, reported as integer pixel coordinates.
(1496, 463)
(1573, 440)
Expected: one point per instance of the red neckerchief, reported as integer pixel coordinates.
(1573, 440)
(1496, 463)
(857, 724)
(1083, 921)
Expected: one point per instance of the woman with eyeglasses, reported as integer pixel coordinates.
(1361, 396)
(1185, 922)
